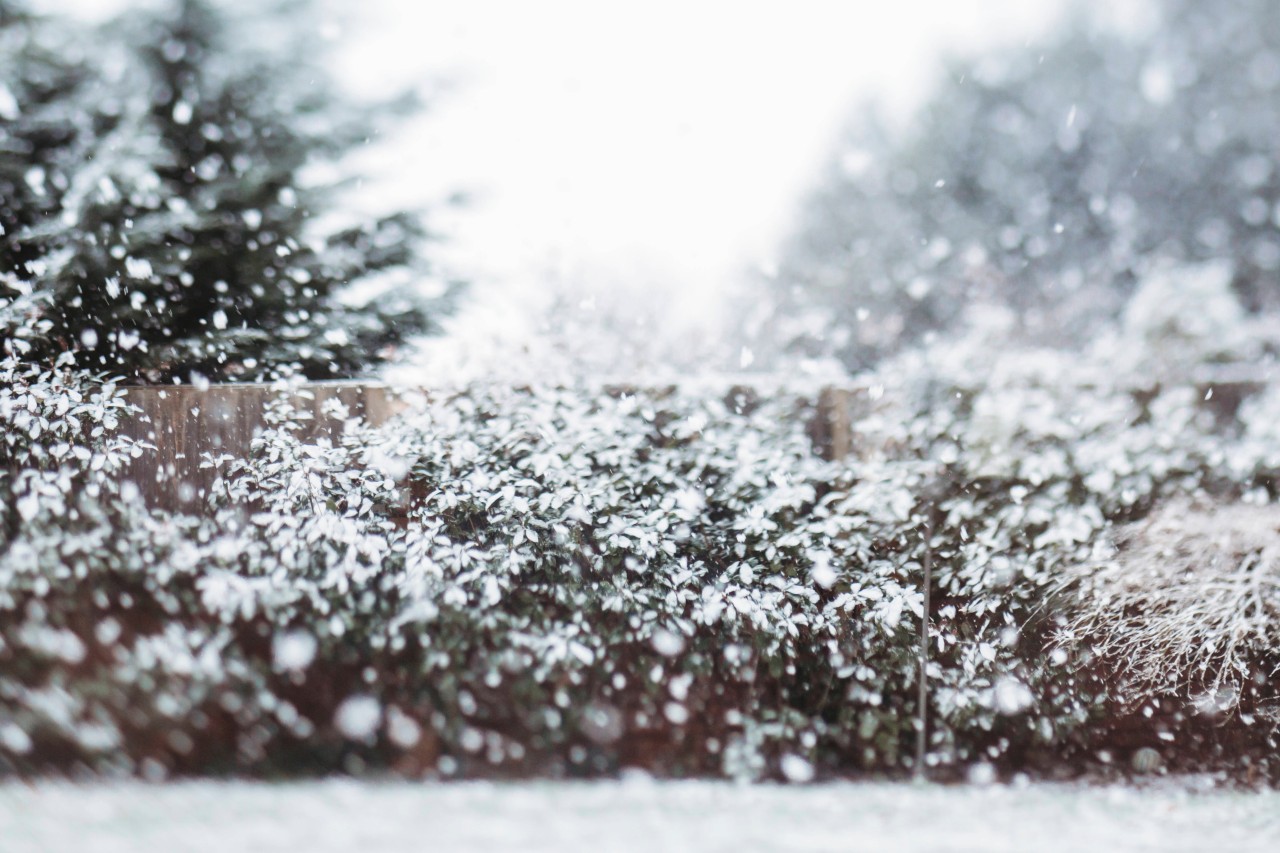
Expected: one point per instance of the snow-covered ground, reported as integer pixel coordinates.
(629, 815)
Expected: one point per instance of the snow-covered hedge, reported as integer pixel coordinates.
(1045, 463)
(570, 580)
(528, 580)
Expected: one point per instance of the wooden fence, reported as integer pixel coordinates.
(184, 422)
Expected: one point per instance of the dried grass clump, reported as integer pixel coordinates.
(1190, 602)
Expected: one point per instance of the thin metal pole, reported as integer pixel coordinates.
(922, 702)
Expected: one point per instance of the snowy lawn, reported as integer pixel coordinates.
(628, 815)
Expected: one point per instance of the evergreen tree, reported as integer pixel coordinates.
(154, 217)
(1050, 180)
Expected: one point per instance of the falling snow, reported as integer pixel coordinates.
(1031, 533)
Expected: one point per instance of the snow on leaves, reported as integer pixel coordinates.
(535, 580)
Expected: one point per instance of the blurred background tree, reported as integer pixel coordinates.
(165, 185)
(1049, 180)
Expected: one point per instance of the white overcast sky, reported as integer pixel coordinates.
(663, 141)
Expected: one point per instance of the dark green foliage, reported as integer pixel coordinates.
(571, 582)
(157, 217)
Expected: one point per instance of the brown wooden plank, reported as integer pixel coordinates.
(185, 423)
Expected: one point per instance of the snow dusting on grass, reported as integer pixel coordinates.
(634, 814)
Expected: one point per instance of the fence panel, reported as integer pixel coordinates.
(184, 423)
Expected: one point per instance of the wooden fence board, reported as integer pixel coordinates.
(184, 423)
